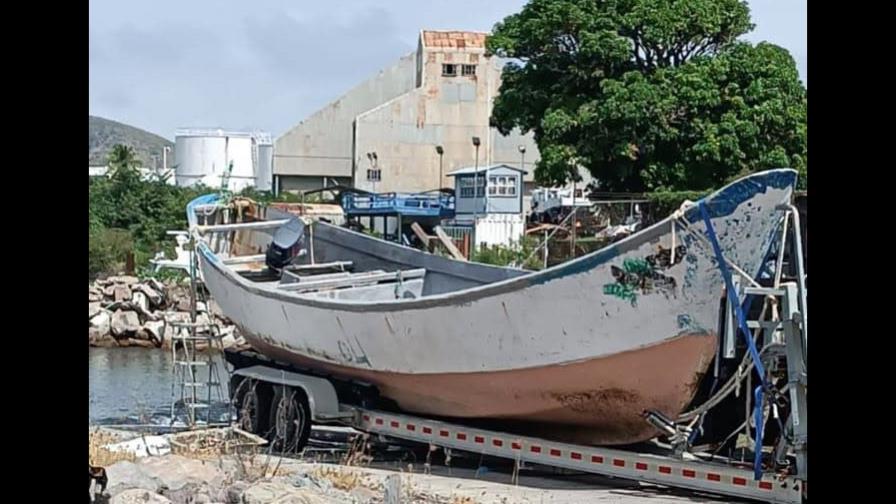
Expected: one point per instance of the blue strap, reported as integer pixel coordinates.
(751, 346)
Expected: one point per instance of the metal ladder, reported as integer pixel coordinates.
(194, 370)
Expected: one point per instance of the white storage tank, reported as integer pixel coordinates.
(264, 175)
(202, 155)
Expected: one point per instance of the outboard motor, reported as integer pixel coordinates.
(286, 245)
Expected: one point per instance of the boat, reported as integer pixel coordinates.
(580, 351)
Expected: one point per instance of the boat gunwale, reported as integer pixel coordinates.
(590, 261)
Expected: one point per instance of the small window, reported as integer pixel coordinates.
(468, 70)
(373, 175)
(449, 70)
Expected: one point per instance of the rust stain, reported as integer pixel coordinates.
(600, 400)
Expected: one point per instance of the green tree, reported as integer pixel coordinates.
(648, 94)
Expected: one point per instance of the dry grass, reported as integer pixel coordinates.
(210, 444)
(339, 478)
(99, 456)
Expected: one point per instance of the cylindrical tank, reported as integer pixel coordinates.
(203, 156)
(264, 175)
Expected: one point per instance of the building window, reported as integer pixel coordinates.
(466, 187)
(374, 175)
(468, 70)
(502, 186)
(449, 70)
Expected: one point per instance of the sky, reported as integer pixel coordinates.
(267, 64)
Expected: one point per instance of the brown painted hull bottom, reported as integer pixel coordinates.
(596, 401)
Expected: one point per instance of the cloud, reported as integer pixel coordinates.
(268, 64)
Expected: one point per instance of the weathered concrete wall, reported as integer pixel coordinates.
(446, 111)
(322, 144)
(402, 114)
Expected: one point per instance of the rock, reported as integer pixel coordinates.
(364, 495)
(92, 309)
(234, 493)
(124, 322)
(96, 338)
(156, 330)
(143, 310)
(109, 291)
(94, 295)
(140, 300)
(152, 295)
(126, 475)
(101, 322)
(124, 279)
(271, 492)
(175, 471)
(138, 496)
(191, 493)
(141, 343)
(184, 304)
(121, 292)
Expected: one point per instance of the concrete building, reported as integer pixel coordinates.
(382, 135)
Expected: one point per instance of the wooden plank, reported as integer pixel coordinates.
(354, 279)
(448, 243)
(415, 227)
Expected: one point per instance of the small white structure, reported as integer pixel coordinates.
(204, 156)
(489, 199)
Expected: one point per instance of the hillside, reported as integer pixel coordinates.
(105, 133)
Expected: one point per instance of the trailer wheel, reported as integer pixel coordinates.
(290, 419)
(252, 401)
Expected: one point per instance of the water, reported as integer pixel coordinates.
(133, 386)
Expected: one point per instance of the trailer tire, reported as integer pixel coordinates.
(290, 419)
(252, 400)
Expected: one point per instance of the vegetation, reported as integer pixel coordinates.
(649, 95)
(130, 213)
(104, 134)
(520, 255)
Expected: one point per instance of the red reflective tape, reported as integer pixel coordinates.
(575, 456)
(535, 449)
(713, 477)
(394, 424)
(443, 433)
(618, 462)
(497, 442)
(379, 421)
(461, 436)
(555, 452)
(366, 418)
(427, 430)
(689, 473)
(739, 481)
(765, 485)
(597, 459)
(641, 466)
(516, 446)
(479, 439)
(411, 427)
(665, 469)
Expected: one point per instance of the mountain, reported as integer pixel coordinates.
(104, 134)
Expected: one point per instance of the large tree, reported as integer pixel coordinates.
(648, 94)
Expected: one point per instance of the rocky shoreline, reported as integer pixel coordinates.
(125, 311)
(159, 469)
